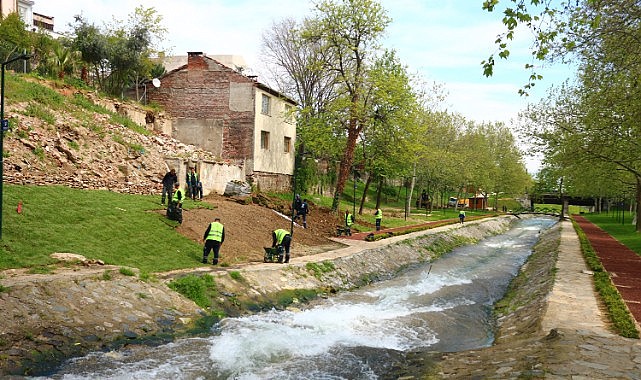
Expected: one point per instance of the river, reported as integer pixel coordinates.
(441, 306)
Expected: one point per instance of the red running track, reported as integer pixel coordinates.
(622, 263)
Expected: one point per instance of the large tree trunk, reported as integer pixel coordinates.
(379, 191)
(367, 183)
(346, 164)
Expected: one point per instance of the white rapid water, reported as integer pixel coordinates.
(443, 306)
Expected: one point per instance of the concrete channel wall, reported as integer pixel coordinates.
(361, 262)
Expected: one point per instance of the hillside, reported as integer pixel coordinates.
(60, 136)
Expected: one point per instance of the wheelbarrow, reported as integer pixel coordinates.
(273, 254)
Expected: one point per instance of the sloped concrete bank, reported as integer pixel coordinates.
(360, 262)
(47, 318)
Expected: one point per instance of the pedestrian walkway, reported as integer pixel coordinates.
(402, 229)
(622, 263)
(572, 304)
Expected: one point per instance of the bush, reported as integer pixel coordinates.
(197, 288)
(127, 272)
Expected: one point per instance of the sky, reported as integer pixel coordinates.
(442, 41)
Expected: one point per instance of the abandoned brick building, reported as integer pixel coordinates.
(250, 127)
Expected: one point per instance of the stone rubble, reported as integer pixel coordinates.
(88, 152)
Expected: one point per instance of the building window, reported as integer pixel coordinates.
(264, 140)
(288, 144)
(266, 105)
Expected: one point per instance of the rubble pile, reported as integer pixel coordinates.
(88, 151)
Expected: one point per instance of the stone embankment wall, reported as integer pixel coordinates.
(362, 262)
(46, 318)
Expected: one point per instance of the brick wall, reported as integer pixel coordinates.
(201, 90)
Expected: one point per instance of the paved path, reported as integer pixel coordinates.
(583, 347)
(572, 303)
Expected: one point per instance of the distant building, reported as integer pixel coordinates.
(23, 7)
(34, 21)
(43, 22)
(238, 119)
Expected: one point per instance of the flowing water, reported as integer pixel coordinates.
(443, 306)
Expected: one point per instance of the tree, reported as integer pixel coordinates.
(389, 138)
(120, 55)
(348, 32)
(14, 37)
(597, 119)
(93, 46)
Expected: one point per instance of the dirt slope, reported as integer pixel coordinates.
(248, 228)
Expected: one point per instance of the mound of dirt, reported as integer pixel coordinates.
(248, 227)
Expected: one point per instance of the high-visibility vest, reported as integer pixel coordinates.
(280, 235)
(348, 220)
(215, 231)
(192, 178)
(178, 196)
(379, 213)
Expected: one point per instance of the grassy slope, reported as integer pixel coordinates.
(119, 229)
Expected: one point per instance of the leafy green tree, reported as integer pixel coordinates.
(389, 138)
(93, 46)
(438, 166)
(597, 119)
(14, 37)
(348, 33)
(120, 55)
(43, 45)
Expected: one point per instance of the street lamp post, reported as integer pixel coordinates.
(5, 127)
(291, 227)
(298, 161)
(354, 196)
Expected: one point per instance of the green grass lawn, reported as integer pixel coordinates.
(120, 229)
(612, 224)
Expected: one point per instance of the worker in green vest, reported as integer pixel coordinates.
(178, 195)
(281, 239)
(378, 215)
(194, 186)
(214, 238)
(461, 216)
(349, 220)
(174, 206)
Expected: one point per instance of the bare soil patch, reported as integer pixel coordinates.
(248, 227)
